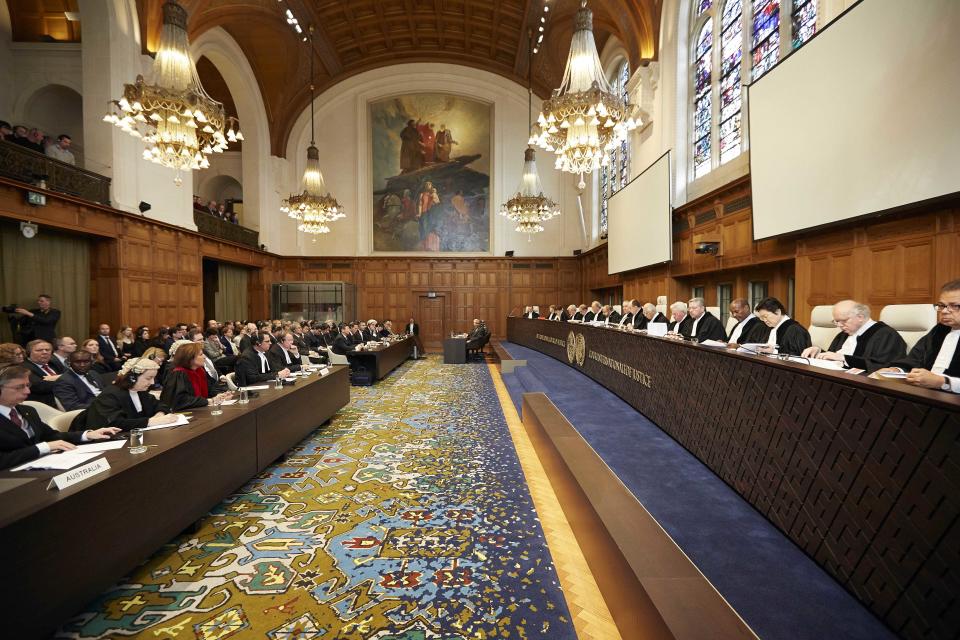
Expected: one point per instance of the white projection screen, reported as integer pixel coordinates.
(639, 227)
(863, 119)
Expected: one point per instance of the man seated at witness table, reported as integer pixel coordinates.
(77, 387)
(343, 343)
(23, 435)
(370, 331)
(862, 343)
(749, 328)
(356, 335)
(42, 375)
(285, 355)
(680, 322)
(934, 362)
(610, 315)
(476, 335)
(786, 336)
(706, 326)
(187, 385)
(593, 313)
(387, 330)
(253, 367)
(530, 314)
(554, 314)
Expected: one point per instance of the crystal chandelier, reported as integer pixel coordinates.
(583, 120)
(529, 208)
(178, 122)
(313, 210)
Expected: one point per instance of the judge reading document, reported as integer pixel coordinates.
(786, 334)
(862, 343)
(934, 362)
(706, 326)
(23, 435)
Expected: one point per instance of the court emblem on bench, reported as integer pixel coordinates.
(576, 348)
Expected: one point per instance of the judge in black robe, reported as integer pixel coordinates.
(680, 324)
(610, 315)
(876, 347)
(791, 337)
(708, 328)
(924, 355)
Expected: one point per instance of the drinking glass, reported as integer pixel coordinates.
(217, 410)
(244, 396)
(136, 441)
(278, 383)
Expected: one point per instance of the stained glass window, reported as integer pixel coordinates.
(731, 54)
(703, 6)
(616, 175)
(765, 44)
(702, 100)
(803, 21)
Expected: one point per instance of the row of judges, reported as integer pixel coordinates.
(861, 343)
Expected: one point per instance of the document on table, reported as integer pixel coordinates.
(62, 461)
(257, 387)
(101, 446)
(180, 421)
(714, 343)
(229, 402)
(896, 375)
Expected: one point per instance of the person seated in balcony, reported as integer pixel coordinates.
(212, 207)
(198, 203)
(35, 138)
(234, 218)
(222, 212)
(60, 150)
(6, 131)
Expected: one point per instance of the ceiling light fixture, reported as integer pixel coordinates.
(180, 125)
(583, 119)
(310, 208)
(529, 208)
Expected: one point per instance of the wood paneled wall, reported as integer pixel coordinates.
(901, 258)
(147, 272)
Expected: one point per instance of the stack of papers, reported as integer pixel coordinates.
(181, 420)
(714, 343)
(61, 461)
(101, 446)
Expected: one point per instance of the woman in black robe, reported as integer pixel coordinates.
(788, 335)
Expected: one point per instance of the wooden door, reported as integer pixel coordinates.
(431, 317)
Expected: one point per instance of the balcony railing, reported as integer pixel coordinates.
(20, 163)
(214, 226)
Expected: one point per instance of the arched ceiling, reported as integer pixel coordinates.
(44, 20)
(352, 36)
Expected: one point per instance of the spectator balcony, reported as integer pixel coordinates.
(26, 165)
(212, 225)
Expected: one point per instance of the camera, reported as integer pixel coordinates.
(9, 308)
(711, 248)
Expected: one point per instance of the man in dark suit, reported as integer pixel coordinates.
(934, 362)
(356, 335)
(39, 323)
(592, 312)
(530, 314)
(680, 323)
(705, 325)
(749, 329)
(248, 337)
(76, 388)
(861, 343)
(108, 348)
(42, 374)
(63, 347)
(253, 366)
(413, 328)
(283, 356)
(369, 332)
(344, 344)
(23, 436)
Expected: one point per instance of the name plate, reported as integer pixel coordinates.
(324, 371)
(81, 473)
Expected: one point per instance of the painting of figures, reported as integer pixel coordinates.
(431, 173)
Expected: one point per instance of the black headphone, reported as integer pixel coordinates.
(135, 372)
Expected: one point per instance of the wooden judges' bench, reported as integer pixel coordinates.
(862, 474)
(63, 548)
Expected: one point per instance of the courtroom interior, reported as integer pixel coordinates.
(480, 319)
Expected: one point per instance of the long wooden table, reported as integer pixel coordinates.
(383, 360)
(63, 548)
(862, 474)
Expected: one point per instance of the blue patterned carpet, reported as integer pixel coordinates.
(406, 518)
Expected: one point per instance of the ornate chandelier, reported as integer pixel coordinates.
(313, 210)
(583, 120)
(529, 208)
(178, 122)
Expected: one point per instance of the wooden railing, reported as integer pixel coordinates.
(20, 163)
(214, 226)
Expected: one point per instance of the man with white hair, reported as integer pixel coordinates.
(593, 313)
(862, 343)
(569, 314)
(530, 314)
(706, 326)
(610, 315)
(650, 315)
(626, 318)
(680, 323)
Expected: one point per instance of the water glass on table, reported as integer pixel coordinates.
(136, 441)
(216, 402)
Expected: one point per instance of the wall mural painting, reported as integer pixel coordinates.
(431, 173)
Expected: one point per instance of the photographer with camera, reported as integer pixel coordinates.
(39, 323)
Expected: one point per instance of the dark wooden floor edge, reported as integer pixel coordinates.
(651, 588)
